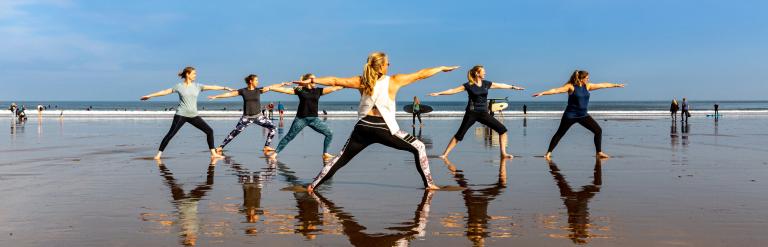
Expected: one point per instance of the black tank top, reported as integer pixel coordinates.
(308, 100)
(477, 95)
(251, 101)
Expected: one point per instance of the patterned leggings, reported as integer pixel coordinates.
(313, 122)
(370, 130)
(244, 122)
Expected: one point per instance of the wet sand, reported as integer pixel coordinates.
(91, 182)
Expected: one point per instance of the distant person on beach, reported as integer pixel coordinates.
(477, 108)
(525, 109)
(40, 109)
(377, 122)
(684, 114)
(717, 113)
(186, 112)
(13, 108)
(280, 108)
(673, 108)
(251, 95)
(271, 108)
(416, 112)
(578, 87)
(306, 114)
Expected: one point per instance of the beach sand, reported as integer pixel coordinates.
(91, 182)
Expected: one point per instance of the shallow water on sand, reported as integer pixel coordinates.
(93, 183)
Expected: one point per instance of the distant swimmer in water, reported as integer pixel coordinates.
(306, 114)
(251, 95)
(186, 112)
(578, 87)
(377, 123)
(477, 108)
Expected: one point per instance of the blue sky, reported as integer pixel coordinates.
(120, 50)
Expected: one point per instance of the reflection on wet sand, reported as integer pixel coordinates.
(425, 139)
(477, 200)
(577, 203)
(308, 214)
(406, 232)
(186, 204)
(252, 183)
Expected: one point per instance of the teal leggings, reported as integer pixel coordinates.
(313, 122)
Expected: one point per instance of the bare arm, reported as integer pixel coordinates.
(350, 82)
(596, 86)
(449, 91)
(401, 80)
(564, 89)
(214, 87)
(495, 85)
(328, 90)
(225, 95)
(157, 94)
(277, 88)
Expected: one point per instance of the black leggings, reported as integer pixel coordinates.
(416, 114)
(485, 118)
(588, 122)
(370, 130)
(179, 121)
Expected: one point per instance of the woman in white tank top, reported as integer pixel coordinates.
(377, 122)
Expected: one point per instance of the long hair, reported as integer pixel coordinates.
(185, 72)
(473, 73)
(578, 78)
(250, 78)
(372, 71)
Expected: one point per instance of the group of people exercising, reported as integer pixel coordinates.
(376, 112)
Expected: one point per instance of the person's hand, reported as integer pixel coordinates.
(212, 97)
(434, 94)
(230, 89)
(287, 83)
(145, 97)
(619, 85)
(517, 88)
(537, 95)
(449, 68)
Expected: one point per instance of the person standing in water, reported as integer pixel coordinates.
(416, 111)
(306, 114)
(477, 108)
(186, 112)
(280, 109)
(684, 115)
(673, 108)
(271, 108)
(578, 87)
(376, 112)
(251, 105)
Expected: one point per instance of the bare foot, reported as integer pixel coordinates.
(602, 155)
(443, 156)
(433, 187)
(548, 156)
(310, 189)
(219, 150)
(268, 149)
(158, 156)
(507, 156)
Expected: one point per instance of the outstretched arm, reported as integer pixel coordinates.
(564, 89)
(225, 95)
(495, 85)
(328, 90)
(214, 87)
(157, 94)
(596, 86)
(449, 91)
(278, 88)
(404, 79)
(350, 82)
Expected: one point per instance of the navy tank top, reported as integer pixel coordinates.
(578, 101)
(477, 96)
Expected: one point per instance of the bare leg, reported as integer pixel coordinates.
(503, 147)
(451, 145)
(159, 155)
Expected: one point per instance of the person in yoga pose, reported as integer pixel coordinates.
(578, 87)
(377, 122)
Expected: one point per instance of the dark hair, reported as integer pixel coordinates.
(307, 76)
(577, 78)
(183, 74)
(250, 78)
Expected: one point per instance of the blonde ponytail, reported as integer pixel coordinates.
(372, 72)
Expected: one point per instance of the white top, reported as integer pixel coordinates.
(380, 99)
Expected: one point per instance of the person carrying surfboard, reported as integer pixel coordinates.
(477, 108)
(416, 112)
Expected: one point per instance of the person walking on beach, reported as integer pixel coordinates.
(684, 115)
(717, 113)
(578, 87)
(377, 122)
(271, 109)
(306, 114)
(477, 108)
(280, 109)
(186, 112)
(525, 109)
(673, 108)
(251, 95)
(416, 111)
(13, 108)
